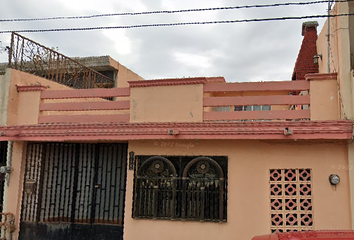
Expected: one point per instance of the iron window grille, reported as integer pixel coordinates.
(181, 188)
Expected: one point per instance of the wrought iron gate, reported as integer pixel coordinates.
(74, 191)
(3, 158)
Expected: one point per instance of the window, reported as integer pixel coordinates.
(291, 200)
(180, 187)
(243, 108)
(252, 108)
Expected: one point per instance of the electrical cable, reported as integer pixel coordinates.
(170, 11)
(174, 24)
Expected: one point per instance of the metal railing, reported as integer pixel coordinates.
(29, 56)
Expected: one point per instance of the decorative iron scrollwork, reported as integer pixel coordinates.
(180, 187)
(203, 167)
(157, 167)
(155, 188)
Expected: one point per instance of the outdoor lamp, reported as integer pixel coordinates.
(316, 57)
(334, 179)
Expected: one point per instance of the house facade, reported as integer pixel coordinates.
(190, 158)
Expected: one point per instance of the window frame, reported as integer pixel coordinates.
(180, 194)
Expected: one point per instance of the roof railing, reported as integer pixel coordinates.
(29, 56)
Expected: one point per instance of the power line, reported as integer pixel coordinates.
(170, 11)
(173, 24)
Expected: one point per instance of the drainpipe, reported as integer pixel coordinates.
(9, 160)
(328, 36)
(7, 175)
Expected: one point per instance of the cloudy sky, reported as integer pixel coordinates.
(255, 51)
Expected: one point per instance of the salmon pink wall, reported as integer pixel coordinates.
(15, 103)
(324, 97)
(181, 103)
(13, 193)
(248, 187)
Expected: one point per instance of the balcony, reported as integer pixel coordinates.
(192, 108)
(189, 100)
(84, 105)
(286, 100)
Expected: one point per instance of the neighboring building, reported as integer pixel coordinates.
(104, 65)
(304, 63)
(110, 68)
(336, 56)
(157, 159)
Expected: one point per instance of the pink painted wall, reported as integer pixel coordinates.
(248, 187)
(181, 103)
(23, 107)
(171, 103)
(27, 105)
(324, 100)
(340, 56)
(13, 193)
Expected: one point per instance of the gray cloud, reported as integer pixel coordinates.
(240, 52)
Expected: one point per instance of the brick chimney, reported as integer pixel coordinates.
(304, 63)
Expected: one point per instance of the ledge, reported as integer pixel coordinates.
(32, 88)
(168, 82)
(215, 80)
(321, 76)
(281, 130)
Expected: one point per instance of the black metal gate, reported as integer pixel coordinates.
(74, 191)
(3, 158)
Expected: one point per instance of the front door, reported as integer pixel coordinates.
(74, 191)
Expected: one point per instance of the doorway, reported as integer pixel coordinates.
(74, 191)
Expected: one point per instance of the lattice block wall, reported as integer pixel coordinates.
(291, 200)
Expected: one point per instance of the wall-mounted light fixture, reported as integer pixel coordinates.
(316, 57)
(131, 160)
(334, 179)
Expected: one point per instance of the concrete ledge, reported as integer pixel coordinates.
(321, 76)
